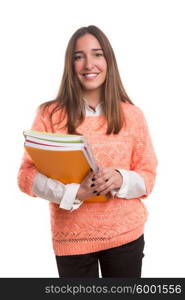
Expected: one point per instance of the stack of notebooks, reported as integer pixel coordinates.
(67, 158)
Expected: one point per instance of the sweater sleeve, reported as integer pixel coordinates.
(27, 170)
(144, 160)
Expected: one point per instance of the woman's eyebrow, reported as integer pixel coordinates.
(80, 51)
(97, 49)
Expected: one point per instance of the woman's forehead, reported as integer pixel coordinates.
(88, 41)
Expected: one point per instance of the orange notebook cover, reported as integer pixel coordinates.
(68, 166)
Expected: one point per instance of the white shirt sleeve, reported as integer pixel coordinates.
(55, 191)
(133, 185)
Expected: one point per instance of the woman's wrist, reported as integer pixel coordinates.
(120, 180)
(79, 194)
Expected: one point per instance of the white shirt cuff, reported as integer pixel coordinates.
(47, 188)
(133, 185)
(55, 191)
(69, 201)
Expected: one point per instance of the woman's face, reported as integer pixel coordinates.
(89, 62)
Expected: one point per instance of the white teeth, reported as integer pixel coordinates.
(90, 75)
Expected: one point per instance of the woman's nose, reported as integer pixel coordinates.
(88, 63)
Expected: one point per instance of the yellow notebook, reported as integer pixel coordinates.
(67, 158)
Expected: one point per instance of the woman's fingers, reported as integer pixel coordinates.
(110, 174)
(106, 190)
(103, 188)
(103, 181)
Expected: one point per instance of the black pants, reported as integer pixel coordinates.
(123, 261)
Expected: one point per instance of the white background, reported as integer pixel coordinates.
(148, 39)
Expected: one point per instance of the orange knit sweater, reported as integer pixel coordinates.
(98, 226)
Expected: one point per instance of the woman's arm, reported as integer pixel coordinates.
(55, 191)
(33, 183)
(27, 170)
(140, 179)
(133, 185)
(144, 161)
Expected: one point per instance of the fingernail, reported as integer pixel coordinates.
(92, 184)
(95, 192)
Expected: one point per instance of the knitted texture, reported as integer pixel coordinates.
(98, 226)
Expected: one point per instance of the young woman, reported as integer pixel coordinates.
(92, 102)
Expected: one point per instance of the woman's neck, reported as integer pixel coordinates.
(92, 98)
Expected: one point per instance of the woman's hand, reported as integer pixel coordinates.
(99, 183)
(85, 190)
(107, 179)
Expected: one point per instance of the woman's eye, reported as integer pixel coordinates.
(77, 57)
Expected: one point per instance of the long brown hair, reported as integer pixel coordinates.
(70, 92)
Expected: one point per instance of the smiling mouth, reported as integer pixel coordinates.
(90, 75)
